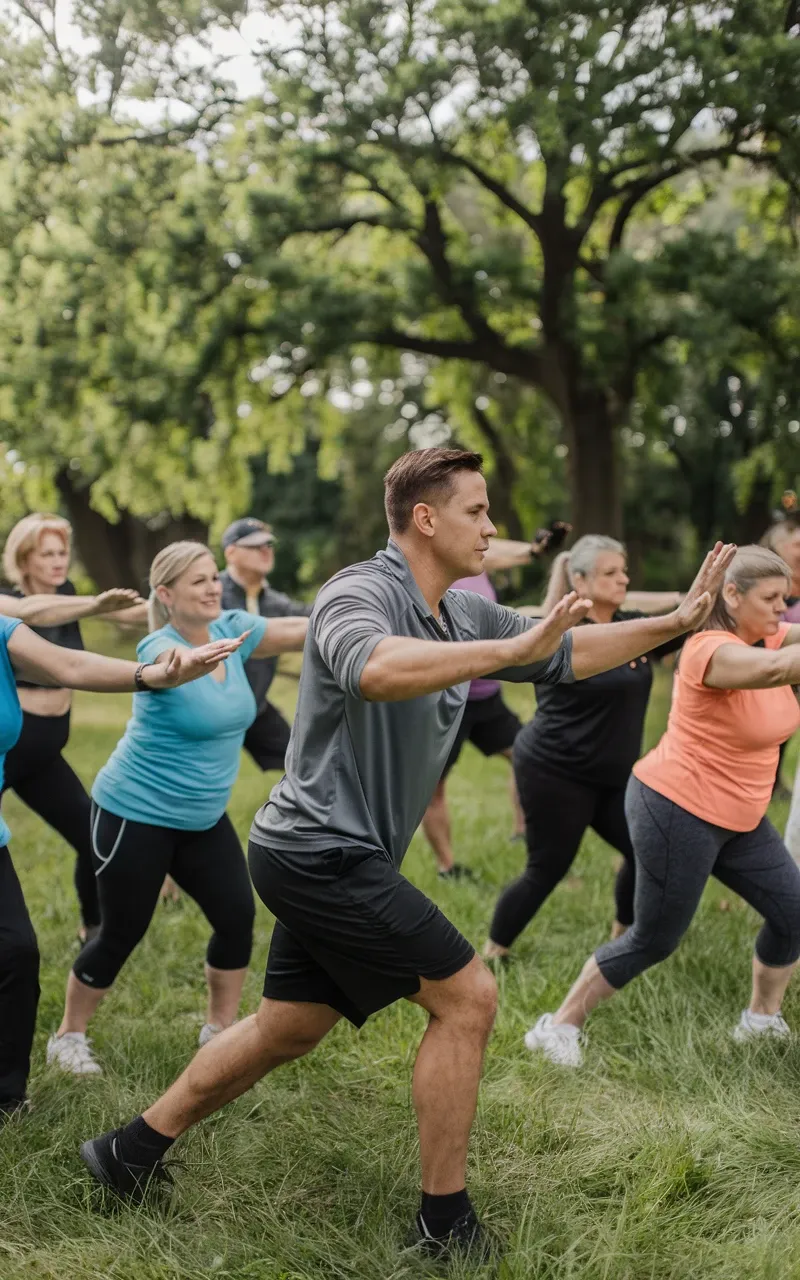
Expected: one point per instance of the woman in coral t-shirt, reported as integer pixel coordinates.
(696, 806)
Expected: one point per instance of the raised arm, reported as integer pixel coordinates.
(652, 601)
(52, 610)
(505, 553)
(603, 646)
(400, 668)
(739, 666)
(283, 635)
(38, 659)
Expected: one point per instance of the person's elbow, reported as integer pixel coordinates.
(378, 681)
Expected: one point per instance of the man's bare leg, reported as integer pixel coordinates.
(235, 1060)
(448, 1070)
(436, 825)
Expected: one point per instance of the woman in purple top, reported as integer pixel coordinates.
(488, 723)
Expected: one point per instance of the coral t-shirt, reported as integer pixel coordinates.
(719, 755)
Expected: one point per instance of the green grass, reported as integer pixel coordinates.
(674, 1154)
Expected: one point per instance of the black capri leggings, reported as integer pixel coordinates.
(676, 852)
(557, 813)
(131, 861)
(41, 777)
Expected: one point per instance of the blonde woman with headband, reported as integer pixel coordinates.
(158, 805)
(36, 561)
(572, 761)
(696, 807)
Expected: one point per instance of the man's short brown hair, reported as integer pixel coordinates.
(424, 475)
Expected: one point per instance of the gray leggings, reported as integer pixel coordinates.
(675, 854)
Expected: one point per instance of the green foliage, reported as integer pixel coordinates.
(578, 213)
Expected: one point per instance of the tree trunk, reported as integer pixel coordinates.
(501, 483)
(593, 467)
(119, 555)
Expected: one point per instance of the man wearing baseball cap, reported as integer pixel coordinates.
(249, 547)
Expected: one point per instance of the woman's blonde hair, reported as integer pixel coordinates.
(167, 567)
(750, 565)
(581, 559)
(25, 538)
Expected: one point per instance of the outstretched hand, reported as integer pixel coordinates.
(180, 665)
(116, 599)
(699, 600)
(543, 640)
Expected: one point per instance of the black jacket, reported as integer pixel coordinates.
(271, 604)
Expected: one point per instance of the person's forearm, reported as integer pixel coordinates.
(136, 616)
(652, 601)
(505, 553)
(606, 645)
(47, 610)
(400, 668)
(91, 671)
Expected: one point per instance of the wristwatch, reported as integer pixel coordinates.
(141, 687)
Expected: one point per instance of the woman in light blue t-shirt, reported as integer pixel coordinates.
(158, 805)
(25, 655)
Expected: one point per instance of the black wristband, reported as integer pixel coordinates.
(141, 687)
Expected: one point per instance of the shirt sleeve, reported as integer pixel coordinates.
(349, 620)
(234, 621)
(7, 627)
(495, 622)
(148, 649)
(698, 651)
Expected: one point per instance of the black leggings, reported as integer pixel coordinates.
(19, 985)
(676, 852)
(41, 777)
(557, 813)
(132, 859)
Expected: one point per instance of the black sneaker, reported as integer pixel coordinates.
(466, 1238)
(457, 872)
(128, 1181)
(10, 1107)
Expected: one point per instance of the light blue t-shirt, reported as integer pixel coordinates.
(177, 761)
(10, 710)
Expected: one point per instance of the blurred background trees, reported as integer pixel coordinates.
(249, 254)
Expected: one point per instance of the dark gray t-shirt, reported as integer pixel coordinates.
(362, 773)
(260, 672)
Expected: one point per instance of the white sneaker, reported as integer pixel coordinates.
(207, 1032)
(72, 1052)
(752, 1025)
(560, 1042)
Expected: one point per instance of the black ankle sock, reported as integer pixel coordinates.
(139, 1144)
(441, 1213)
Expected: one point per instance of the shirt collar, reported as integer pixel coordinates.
(394, 562)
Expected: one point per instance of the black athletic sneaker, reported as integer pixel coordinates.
(128, 1181)
(466, 1238)
(13, 1107)
(456, 872)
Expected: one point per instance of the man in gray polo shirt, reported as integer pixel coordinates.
(388, 661)
(249, 548)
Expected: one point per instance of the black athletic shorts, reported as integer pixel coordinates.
(267, 739)
(489, 725)
(351, 931)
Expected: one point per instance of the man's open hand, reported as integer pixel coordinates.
(543, 640)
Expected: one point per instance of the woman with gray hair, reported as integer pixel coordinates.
(696, 807)
(573, 760)
(158, 805)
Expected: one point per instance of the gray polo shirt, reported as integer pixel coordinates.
(260, 672)
(359, 772)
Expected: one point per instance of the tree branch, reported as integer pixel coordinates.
(506, 197)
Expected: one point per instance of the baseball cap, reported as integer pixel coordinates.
(248, 532)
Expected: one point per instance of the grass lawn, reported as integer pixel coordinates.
(673, 1154)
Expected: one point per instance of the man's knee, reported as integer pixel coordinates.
(286, 1034)
(475, 1005)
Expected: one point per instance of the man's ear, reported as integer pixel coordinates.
(423, 517)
